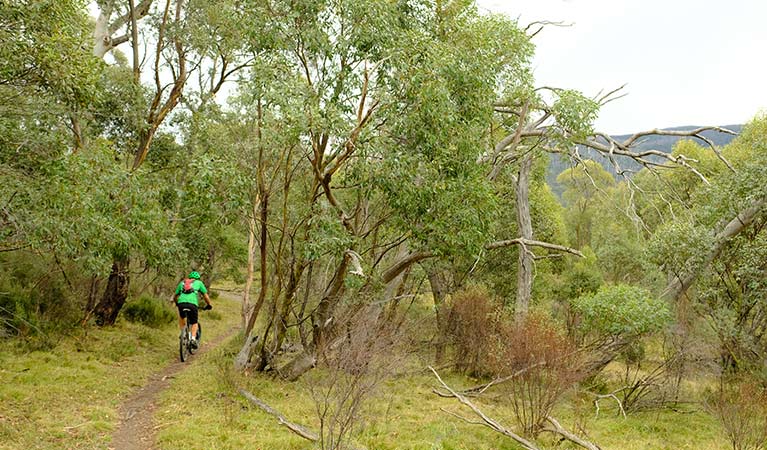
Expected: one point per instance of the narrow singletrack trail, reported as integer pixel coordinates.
(136, 430)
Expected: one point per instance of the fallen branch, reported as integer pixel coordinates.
(610, 395)
(486, 421)
(480, 389)
(294, 427)
(558, 429)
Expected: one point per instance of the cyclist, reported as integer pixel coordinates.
(186, 301)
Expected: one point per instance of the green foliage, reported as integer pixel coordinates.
(582, 277)
(37, 304)
(149, 311)
(41, 47)
(575, 113)
(585, 186)
(622, 310)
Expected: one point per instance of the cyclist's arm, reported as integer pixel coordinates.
(176, 295)
(207, 299)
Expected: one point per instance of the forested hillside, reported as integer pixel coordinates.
(365, 188)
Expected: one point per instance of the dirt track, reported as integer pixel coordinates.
(137, 430)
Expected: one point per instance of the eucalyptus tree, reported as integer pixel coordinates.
(395, 108)
(183, 49)
(719, 243)
(583, 184)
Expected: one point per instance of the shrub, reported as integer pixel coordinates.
(741, 408)
(149, 311)
(472, 322)
(354, 361)
(621, 310)
(543, 364)
(536, 360)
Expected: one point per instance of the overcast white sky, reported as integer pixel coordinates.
(686, 62)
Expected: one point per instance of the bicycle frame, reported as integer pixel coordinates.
(185, 348)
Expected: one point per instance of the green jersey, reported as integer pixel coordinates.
(197, 286)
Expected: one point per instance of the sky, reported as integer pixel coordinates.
(685, 62)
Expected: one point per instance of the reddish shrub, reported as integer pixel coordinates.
(540, 360)
(472, 325)
(543, 364)
(742, 410)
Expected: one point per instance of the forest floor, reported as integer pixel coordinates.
(85, 391)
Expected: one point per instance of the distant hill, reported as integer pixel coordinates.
(558, 163)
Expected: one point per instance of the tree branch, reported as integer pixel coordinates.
(533, 243)
(558, 429)
(294, 427)
(486, 421)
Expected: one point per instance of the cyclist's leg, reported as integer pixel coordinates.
(192, 318)
(181, 318)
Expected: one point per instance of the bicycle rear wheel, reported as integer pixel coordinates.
(183, 345)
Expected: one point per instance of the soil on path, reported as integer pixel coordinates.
(137, 430)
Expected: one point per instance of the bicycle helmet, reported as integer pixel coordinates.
(194, 274)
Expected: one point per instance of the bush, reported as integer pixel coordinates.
(42, 310)
(541, 363)
(742, 410)
(621, 310)
(544, 365)
(471, 325)
(149, 311)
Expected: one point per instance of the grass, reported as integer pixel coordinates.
(67, 397)
(405, 415)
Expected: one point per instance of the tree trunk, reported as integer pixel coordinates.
(102, 41)
(251, 266)
(115, 294)
(438, 282)
(281, 320)
(525, 258)
(262, 270)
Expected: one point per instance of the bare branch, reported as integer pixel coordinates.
(399, 266)
(486, 421)
(533, 243)
(137, 13)
(294, 427)
(558, 429)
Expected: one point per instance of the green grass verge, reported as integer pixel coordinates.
(405, 415)
(67, 397)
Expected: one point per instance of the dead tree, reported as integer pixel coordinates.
(538, 130)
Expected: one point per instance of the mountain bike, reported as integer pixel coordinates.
(185, 348)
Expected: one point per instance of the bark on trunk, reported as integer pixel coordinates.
(251, 266)
(262, 261)
(245, 355)
(438, 282)
(525, 259)
(115, 294)
(102, 41)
